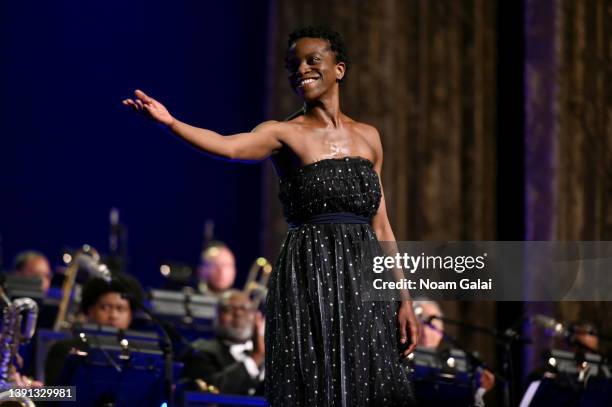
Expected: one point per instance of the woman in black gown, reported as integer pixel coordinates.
(325, 346)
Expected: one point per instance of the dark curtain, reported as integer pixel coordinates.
(569, 137)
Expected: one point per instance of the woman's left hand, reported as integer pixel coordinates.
(408, 326)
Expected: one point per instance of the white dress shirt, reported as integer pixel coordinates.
(239, 353)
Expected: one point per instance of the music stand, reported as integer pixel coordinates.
(190, 314)
(116, 368)
(441, 378)
(574, 380)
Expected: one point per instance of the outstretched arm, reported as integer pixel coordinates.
(407, 323)
(256, 145)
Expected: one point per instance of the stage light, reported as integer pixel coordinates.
(450, 362)
(165, 269)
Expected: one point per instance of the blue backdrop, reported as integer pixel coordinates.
(69, 151)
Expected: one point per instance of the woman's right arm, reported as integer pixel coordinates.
(256, 145)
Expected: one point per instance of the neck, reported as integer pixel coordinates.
(326, 109)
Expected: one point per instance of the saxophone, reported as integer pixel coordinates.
(18, 326)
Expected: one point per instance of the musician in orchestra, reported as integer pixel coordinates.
(432, 334)
(233, 360)
(582, 337)
(102, 303)
(34, 264)
(217, 269)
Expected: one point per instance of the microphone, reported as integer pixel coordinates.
(94, 267)
(208, 234)
(418, 312)
(115, 230)
(555, 327)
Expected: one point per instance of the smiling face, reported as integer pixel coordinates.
(236, 317)
(312, 67)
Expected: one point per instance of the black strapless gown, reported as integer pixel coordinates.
(325, 346)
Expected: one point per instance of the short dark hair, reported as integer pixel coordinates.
(24, 257)
(336, 42)
(121, 284)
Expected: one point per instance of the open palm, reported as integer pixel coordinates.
(150, 107)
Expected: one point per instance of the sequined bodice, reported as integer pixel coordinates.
(347, 184)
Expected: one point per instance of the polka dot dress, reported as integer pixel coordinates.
(325, 346)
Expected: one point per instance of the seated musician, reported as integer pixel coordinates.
(33, 264)
(233, 360)
(431, 337)
(582, 337)
(102, 303)
(217, 270)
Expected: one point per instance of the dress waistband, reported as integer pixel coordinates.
(333, 217)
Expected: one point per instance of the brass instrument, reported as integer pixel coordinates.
(203, 386)
(256, 285)
(15, 332)
(87, 258)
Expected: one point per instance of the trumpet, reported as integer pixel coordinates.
(256, 286)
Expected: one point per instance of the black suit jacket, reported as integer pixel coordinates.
(56, 358)
(211, 361)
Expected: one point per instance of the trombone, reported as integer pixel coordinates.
(256, 286)
(83, 257)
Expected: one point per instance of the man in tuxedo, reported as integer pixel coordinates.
(233, 360)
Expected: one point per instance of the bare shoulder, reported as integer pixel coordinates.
(279, 130)
(368, 131)
(269, 125)
(371, 138)
(292, 128)
(363, 129)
